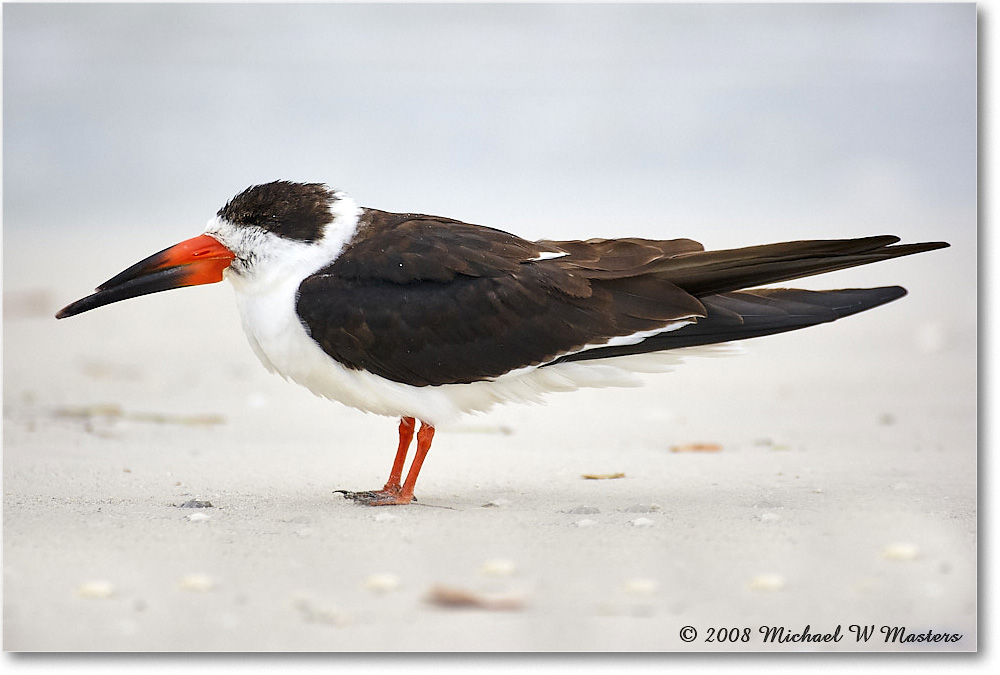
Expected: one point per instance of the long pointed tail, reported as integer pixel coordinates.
(704, 273)
(750, 314)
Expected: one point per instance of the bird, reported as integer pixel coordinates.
(426, 318)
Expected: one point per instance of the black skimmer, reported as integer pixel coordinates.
(426, 318)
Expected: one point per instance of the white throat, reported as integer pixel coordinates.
(268, 283)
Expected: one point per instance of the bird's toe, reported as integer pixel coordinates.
(377, 497)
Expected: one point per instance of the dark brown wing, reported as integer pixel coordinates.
(430, 301)
(712, 276)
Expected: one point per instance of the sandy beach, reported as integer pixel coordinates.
(817, 479)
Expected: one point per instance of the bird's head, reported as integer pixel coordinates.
(266, 232)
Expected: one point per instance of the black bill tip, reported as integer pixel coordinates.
(162, 280)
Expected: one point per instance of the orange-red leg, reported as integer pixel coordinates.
(424, 439)
(394, 492)
(406, 426)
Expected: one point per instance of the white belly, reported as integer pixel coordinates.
(282, 344)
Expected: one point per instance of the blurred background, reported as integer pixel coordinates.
(730, 124)
(126, 127)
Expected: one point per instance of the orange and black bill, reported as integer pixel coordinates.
(200, 260)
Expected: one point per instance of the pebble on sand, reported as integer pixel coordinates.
(497, 503)
(313, 613)
(196, 504)
(641, 522)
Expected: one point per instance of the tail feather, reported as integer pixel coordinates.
(706, 273)
(756, 313)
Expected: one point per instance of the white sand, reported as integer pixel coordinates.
(844, 493)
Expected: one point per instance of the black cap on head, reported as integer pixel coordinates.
(291, 210)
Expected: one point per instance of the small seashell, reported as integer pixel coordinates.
(641, 586)
(382, 583)
(767, 582)
(458, 598)
(696, 447)
(498, 567)
(901, 551)
(196, 582)
(97, 589)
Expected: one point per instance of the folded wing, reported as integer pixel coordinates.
(430, 301)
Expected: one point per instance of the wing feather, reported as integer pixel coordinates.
(431, 301)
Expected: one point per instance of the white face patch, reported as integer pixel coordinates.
(264, 259)
(266, 276)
